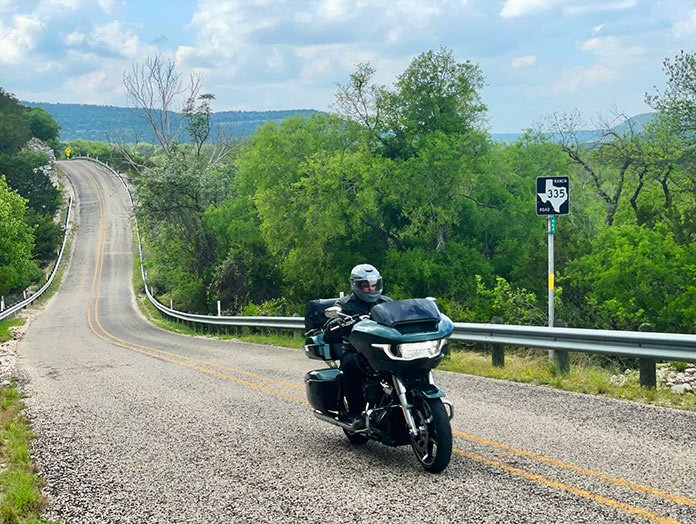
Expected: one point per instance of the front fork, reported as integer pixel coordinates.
(405, 406)
(400, 389)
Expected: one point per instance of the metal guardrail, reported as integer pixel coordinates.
(662, 346)
(659, 346)
(14, 308)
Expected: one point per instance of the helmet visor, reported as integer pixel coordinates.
(369, 285)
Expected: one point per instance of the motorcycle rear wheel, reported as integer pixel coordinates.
(433, 446)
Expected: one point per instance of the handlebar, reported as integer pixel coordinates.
(344, 320)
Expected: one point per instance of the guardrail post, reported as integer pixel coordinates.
(648, 373)
(497, 350)
(2, 303)
(219, 308)
(561, 358)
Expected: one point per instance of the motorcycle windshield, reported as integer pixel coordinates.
(404, 312)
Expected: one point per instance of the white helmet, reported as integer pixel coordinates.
(366, 282)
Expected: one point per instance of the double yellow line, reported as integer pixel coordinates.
(213, 369)
(103, 334)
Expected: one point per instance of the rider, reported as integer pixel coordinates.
(366, 287)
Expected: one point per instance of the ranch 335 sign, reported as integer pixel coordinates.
(552, 195)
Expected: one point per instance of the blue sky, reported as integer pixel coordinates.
(538, 56)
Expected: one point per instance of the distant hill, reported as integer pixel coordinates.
(587, 136)
(122, 124)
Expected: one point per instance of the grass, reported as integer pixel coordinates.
(5, 325)
(21, 501)
(585, 376)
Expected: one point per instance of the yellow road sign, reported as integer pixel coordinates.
(67, 152)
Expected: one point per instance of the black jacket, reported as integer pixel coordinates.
(352, 305)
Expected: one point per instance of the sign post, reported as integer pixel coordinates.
(551, 200)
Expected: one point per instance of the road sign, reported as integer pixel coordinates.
(552, 195)
(67, 152)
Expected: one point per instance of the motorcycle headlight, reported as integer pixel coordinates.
(427, 349)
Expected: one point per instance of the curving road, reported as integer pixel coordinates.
(138, 425)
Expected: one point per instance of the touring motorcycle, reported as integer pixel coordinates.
(403, 341)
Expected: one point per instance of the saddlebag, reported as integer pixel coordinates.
(314, 316)
(324, 389)
(317, 349)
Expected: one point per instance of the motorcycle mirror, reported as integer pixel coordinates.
(332, 312)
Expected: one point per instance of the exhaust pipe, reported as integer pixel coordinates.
(337, 422)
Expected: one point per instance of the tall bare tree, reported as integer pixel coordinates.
(153, 88)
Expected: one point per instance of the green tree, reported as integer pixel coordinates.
(17, 269)
(244, 271)
(678, 100)
(435, 93)
(172, 200)
(42, 124)
(198, 119)
(23, 174)
(634, 275)
(14, 127)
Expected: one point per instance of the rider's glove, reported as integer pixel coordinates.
(333, 324)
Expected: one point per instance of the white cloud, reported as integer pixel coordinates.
(594, 7)
(686, 26)
(19, 38)
(579, 78)
(334, 8)
(597, 29)
(275, 61)
(523, 61)
(89, 82)
(513, 8)
(75, 38)
(612, 50)
(110, 6)
(117, 40)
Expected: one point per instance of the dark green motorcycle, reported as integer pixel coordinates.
(403, 341)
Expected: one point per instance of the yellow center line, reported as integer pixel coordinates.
(178, 359)
(614, 480)
(187, 361)
(576, 491)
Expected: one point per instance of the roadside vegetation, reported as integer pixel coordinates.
(29, 235)
(5, 325)
(21, 500)
(585, 376)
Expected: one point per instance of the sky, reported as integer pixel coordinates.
(538, 57)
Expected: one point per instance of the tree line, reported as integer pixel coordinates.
(407, 178)
(29, 237)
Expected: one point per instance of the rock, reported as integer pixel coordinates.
(681, 388)
(50, 169)
(618, 380)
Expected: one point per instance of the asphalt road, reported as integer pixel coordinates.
(135, 424)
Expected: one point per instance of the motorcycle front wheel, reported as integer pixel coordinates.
(433, 445)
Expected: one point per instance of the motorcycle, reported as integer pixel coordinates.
(403, 341)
